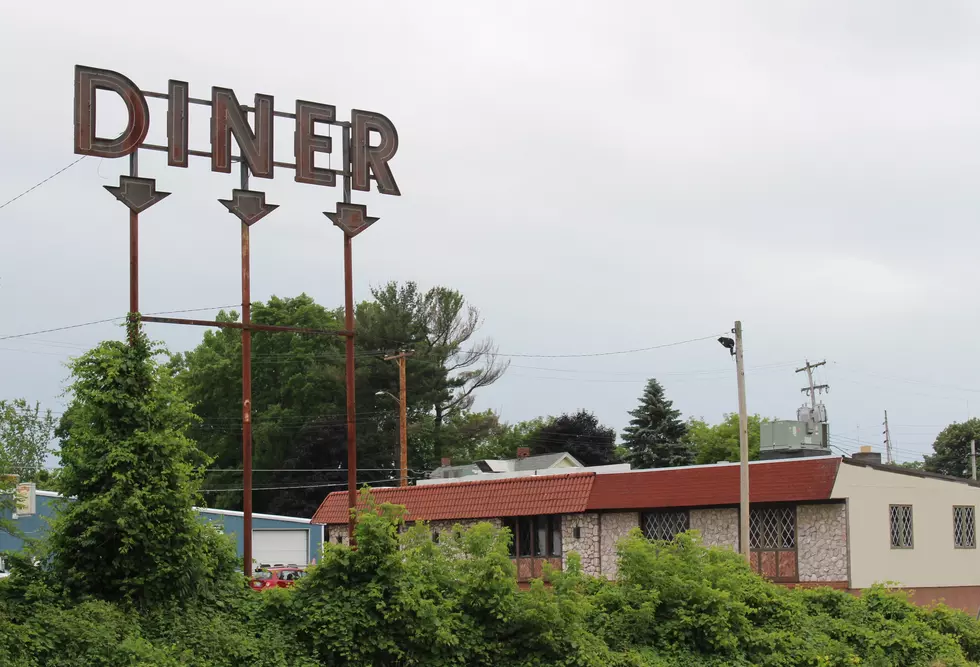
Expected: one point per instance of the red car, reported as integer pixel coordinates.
(276, 577)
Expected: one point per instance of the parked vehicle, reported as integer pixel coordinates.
(276, 577)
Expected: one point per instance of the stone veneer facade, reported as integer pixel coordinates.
(613, 526)
(718, 527)
(821, 537)
(821, 542)
(587, 544)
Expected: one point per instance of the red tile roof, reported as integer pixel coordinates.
(515, 496)
(796, 480)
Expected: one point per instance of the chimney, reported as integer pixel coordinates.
(867, 456)
(445, 462)
(523, 452)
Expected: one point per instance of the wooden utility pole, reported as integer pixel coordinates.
(888, 442)
(812, 390)
(973, 458)
(743, 446)
(402, 414)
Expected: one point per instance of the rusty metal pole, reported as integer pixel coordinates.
(246, 390)
(134, 254)
(349, 356)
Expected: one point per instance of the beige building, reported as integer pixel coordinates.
(823, 521)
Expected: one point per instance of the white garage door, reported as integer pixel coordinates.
(286, 547)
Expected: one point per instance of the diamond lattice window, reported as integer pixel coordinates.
(964, 527)
(772, 528)
(901, 526)
(665, 525)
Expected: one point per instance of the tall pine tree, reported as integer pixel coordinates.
(655, 432)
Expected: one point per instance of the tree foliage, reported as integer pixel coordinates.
(952, 449)
(580, 434)
(25, 438)
(299, 398)
(130, 533)
(402, 599)
(720, 442)
(654, 437)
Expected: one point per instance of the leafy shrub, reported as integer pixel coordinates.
(400, 599)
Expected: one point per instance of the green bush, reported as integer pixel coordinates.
(400, 599)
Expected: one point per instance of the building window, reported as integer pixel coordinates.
(537, 536)
(900, 520)
(964, 527)
(772, 528)
(665, 526)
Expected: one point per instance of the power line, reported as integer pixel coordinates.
(35, 187)
(299, 487)
(109, 319)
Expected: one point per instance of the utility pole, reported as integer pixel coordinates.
(812, 390)
(973, 457)
(743, 445)
(888, 442)
(402, 414)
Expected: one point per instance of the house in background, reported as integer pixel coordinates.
(275, 539)
(524, 465)
(820, 521)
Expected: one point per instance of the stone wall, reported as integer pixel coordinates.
(718, 527)
(822, 542)
(586, 545)
(333, 531)
(613, 527)
(464, 524)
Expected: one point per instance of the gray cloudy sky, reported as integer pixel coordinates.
(593, 176)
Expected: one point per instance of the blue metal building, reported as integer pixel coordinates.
(276, 539)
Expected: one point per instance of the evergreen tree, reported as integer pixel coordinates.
(654, 437)
(131, 533)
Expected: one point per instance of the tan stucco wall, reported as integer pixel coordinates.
(933, 561)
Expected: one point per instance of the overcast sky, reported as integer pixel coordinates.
(593, 176)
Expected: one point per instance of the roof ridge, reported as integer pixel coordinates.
(477, 482)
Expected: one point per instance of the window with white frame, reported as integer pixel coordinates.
(964, 527)
(900, 521)
(665, 525)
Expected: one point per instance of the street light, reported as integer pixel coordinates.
(402, 435)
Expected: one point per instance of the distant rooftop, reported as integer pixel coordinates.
(519, 464)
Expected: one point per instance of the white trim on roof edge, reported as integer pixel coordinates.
(736, 463)
(255, 515)
(211, 510)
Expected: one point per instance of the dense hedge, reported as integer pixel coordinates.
(400, 599)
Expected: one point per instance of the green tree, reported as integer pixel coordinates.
(952, 449)
(448, 366)
(131, 533)
(299, 397)
(580, 434)
(720, 442)
(654, 437)
(25, 438)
